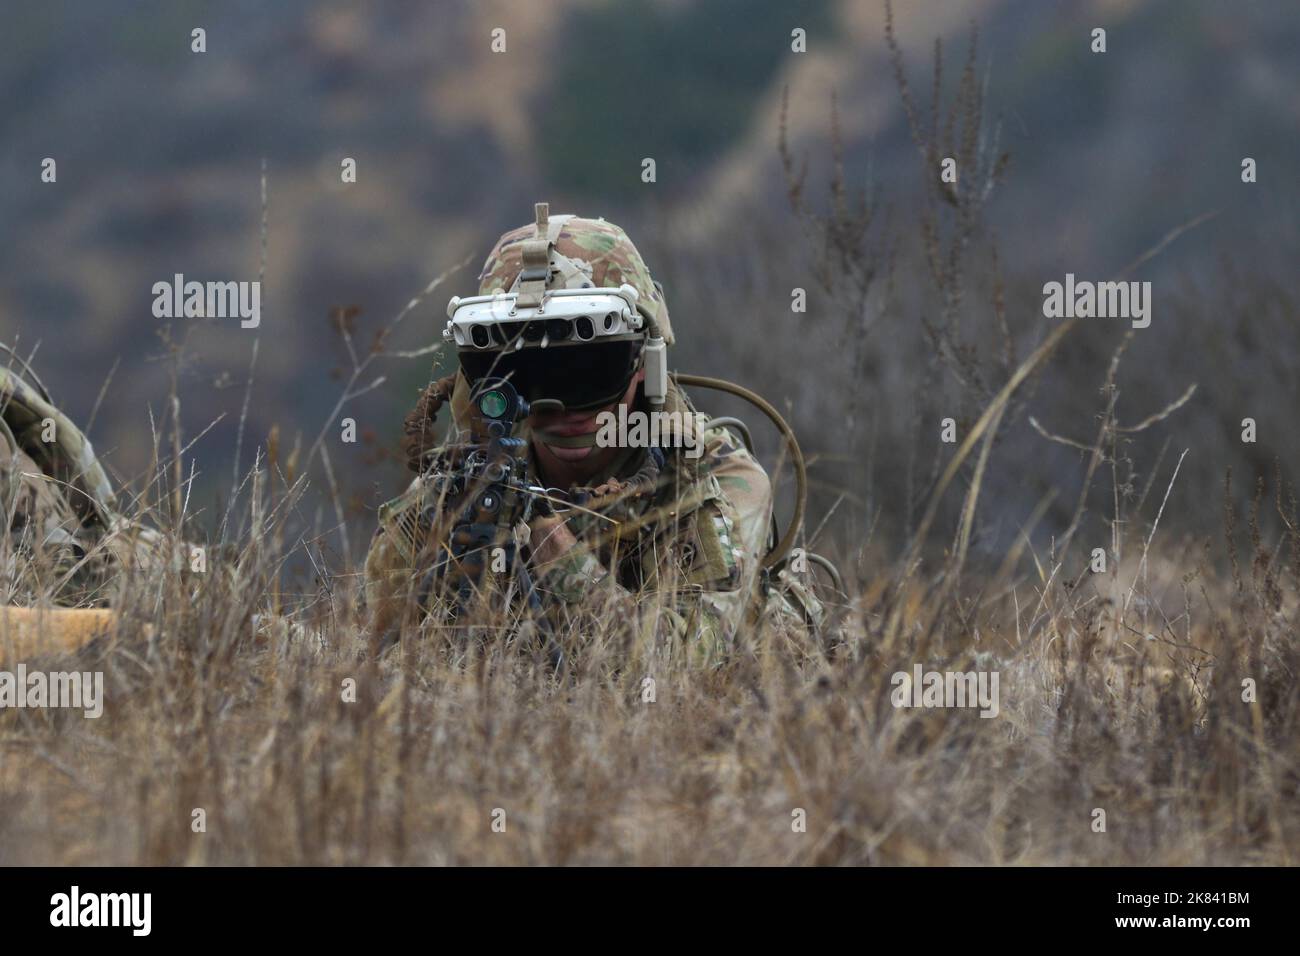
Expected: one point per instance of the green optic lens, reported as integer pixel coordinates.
(492, 404)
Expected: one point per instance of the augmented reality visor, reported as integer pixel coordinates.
(576, 376)
(574, 347)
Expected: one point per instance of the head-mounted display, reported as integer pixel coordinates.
(576, 347)
(559, 336)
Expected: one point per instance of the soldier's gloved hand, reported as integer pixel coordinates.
(549, 539)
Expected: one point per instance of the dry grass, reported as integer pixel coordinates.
(245, 718)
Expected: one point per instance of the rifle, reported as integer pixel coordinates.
(481, 491)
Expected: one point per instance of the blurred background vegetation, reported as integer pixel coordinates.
(160, 154)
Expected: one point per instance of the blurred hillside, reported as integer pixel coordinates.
(160, 151)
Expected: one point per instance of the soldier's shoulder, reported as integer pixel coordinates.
(737, 472)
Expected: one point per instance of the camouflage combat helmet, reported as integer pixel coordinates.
(583, 253)
(567, 309)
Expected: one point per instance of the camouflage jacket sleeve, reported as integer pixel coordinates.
(700, 564)
(391, 562)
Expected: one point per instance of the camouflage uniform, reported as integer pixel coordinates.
(65, 540)
(682, 557)
(698, 536)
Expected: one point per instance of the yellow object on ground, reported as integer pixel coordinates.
(27, 631)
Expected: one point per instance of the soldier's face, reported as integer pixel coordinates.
(580, 463)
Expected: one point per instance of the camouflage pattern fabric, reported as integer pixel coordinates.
(45, 548)
(681, 562)
(586, 253)
(67, 456)
(65, 539)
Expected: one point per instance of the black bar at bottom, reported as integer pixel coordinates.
(334, 906)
